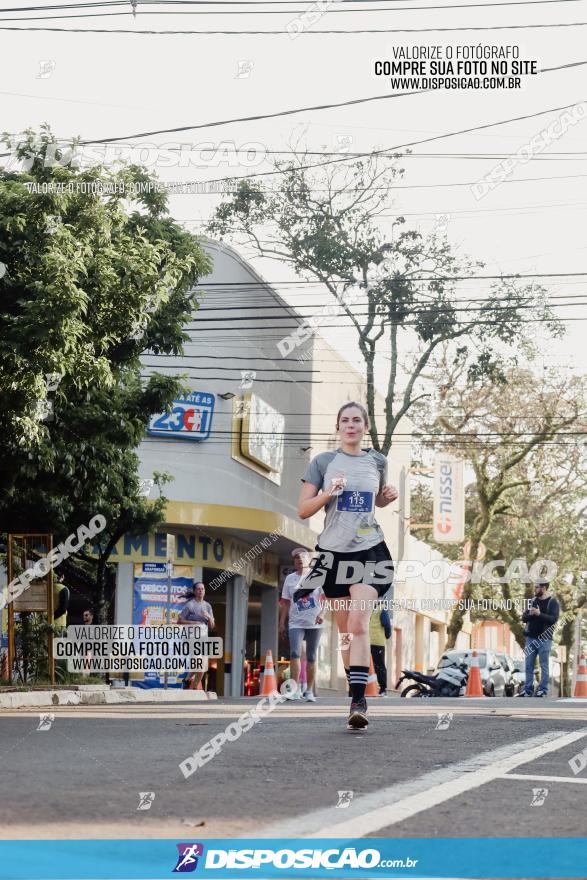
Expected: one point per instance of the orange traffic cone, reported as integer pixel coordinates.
(474, 685)
(372, 689)
(581, 680)
(269, 679)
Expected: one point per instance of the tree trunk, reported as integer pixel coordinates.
(458, 615)
(101, 601)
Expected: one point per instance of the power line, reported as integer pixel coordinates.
(503, 27)
(474, 435)
(475, 311)
(448, 324)
(254, 118)
(144, 4)
(426, 140)
(420, 310)
(232, 11)
(483, 300)
(231, 285)
(344, 158)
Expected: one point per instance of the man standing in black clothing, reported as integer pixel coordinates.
(540, 620)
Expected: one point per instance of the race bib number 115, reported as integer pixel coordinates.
(355, 502)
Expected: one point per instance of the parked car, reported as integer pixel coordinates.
(493, 677)
(509, 669)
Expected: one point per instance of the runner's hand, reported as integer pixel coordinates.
(390, 493)
(319, 620)
(337, 484)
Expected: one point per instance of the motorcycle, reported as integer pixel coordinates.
(451, 681)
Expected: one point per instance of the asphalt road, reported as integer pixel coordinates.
(408, 777)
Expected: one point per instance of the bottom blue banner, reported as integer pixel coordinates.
(415, 858)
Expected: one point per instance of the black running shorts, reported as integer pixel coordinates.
(336, 572)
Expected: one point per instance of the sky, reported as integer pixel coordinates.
(105, 85)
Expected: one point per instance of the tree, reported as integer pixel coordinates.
(96, 273)
(543, 519)
(503, 431)
(400, 295)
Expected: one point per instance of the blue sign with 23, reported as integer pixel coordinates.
(190, 418)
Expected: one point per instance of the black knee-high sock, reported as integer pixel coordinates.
(358, 677)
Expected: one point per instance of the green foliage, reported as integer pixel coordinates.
(96, 273)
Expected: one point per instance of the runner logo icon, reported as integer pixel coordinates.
(187, 859)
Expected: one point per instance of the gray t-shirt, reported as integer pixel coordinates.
(193, 609)
(350, 517)
(303, 613)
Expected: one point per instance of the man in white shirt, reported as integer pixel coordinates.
(305, 622)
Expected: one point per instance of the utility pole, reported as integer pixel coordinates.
(170, 548)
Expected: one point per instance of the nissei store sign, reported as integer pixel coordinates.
(449, 499)
(190, 418)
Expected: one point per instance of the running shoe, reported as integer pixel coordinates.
(540, 694)
(383, 694)
(309, 697)
(358, 715)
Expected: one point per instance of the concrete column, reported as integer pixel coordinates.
(402, 489)
(123, 597)
(228, 640)
(419, 645)
(237, 601)
(269, 621)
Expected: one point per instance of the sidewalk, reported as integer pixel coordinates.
(99, 694)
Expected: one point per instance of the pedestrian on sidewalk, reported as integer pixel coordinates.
(379, 633)
(540, 620)
(304, 622)
(196, 611)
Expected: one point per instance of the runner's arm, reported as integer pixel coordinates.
(386, 496)
(310, 502)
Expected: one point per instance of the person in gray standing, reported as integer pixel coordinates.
(196, 610)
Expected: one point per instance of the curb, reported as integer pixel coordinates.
(99, 697)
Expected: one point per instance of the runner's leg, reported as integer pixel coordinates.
(363, 598)
(341, 615)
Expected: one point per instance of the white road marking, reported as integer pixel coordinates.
(372, 812)
(544, 778)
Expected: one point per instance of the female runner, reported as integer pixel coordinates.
(349, 483)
